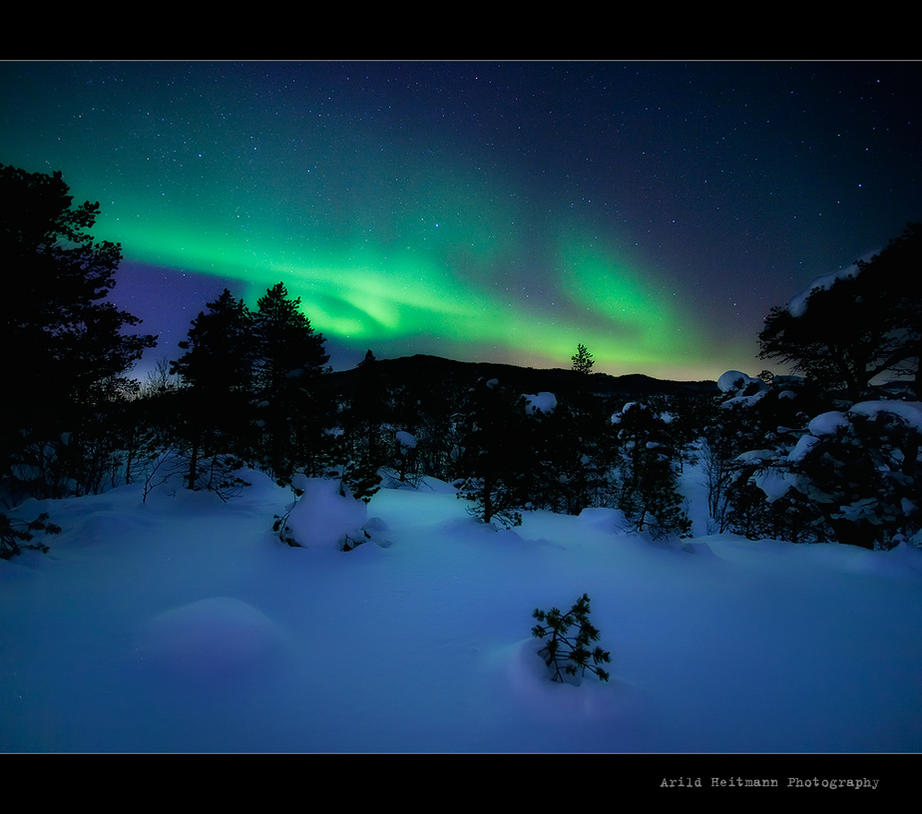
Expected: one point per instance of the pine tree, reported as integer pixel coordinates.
(888, 277)
(497, 458)
(566, 651)
(65, 346)
(573, 451)
(367, 410)
(404, 458)
(582, 360)
(647, 481)
(360, 476)
(849, 330)
(292, 403)
(215, 404)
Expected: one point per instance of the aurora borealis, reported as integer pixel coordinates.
(653, 211)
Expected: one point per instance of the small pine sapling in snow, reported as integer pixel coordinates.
(16, 535)
(566, 652)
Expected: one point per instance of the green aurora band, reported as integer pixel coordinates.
(363, 293)
(396, 240)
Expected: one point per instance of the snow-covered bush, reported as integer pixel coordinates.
(567, 638)
(745, 449)
(786, 466)
(323, 516)
(761, 503)
(861, 468)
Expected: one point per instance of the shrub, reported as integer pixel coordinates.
(566, 652)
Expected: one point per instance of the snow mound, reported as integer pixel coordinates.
(528, 676)
(406, 439)
(109, 524)
(904, 562)
(430, 484)
(804, 444)
(910, 412)
(323, 517)
(827, 423)
(378, 530)
(605, 519)
(211, 639)
(744, 401)
(543, 402)
(744, 390)
(697, 547)
(733, 381)
(260, 487)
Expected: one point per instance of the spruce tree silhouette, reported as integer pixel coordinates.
(292, 403)
(65, 346)
(215, 404)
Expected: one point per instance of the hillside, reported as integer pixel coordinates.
(423, 370)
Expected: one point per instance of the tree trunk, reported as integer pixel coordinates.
(193, 464)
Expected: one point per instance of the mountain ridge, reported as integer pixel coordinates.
(423, 367)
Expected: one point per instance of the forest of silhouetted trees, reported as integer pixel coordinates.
(827, 453)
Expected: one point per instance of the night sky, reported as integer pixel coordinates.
(483, 211)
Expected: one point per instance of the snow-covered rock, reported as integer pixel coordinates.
(540, 402)
(405, 439)
(734, 381)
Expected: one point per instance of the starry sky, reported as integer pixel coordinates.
(482, 211)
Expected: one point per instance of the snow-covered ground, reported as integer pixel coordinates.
(183, 625)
